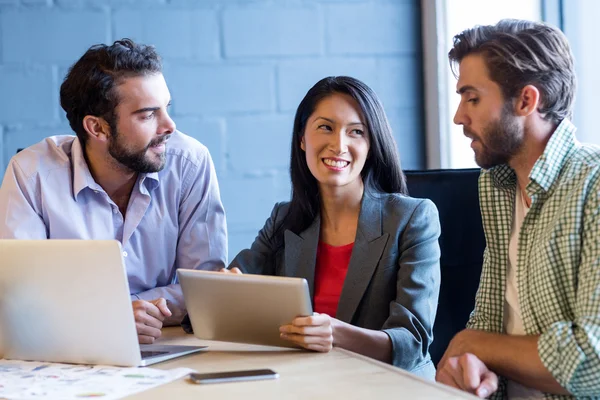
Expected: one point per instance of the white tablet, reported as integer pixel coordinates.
(243, 308)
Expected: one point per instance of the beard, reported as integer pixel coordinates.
(139, 161)
(503, 139)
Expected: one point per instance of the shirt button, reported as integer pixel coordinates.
(124, 254)
(115, 210)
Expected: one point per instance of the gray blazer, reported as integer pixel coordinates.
(393, 278)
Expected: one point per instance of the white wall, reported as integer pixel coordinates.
(581, 27)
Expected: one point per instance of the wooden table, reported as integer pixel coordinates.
(302, 375)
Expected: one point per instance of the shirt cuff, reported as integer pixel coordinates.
(560, 353)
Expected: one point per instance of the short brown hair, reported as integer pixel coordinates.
(89, 87)
(520, 53)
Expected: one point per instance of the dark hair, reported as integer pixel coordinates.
(381, 172)
(89, 87)
(519, 53)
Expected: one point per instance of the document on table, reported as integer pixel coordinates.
(29, 379)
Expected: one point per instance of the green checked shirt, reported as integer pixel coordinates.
(558, 263)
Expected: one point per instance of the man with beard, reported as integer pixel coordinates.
(126, 175)
(535, 329)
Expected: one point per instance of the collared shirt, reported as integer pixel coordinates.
(174, 219)
(558, 265)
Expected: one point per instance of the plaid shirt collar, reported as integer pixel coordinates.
(547, 168)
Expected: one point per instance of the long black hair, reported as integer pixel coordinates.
(381, 172)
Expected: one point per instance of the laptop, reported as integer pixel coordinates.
(243, 308)
(68, 301)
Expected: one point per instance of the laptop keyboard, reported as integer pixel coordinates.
(149, 354)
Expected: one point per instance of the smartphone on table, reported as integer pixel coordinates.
(234, 376)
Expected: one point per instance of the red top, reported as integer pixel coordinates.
(330, 273)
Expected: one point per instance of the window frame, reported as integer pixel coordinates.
(435, 69)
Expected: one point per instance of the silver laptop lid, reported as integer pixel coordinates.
(66, 301)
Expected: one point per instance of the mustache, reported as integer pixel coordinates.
(158, 141)
(470, 134)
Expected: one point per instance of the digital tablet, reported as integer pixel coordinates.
(243, 308)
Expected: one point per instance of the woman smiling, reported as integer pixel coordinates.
(369, 252)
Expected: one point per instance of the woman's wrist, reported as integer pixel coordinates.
(337, 332)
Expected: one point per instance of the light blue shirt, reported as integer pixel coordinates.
(175, 218)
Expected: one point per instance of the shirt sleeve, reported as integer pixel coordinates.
(202, 241)
(485, 315)
(412, 313)
(485, 300)
(570, 350)
(489, 299)
(19, 218)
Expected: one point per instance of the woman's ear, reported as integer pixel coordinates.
(302, 144)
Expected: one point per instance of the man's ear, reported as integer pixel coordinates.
(528, 101)
(96, 127)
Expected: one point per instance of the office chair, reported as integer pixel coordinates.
(455, 193)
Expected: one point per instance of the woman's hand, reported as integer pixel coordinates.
(313, 333)
(231, 271)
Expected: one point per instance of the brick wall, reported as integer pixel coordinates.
(237, 70)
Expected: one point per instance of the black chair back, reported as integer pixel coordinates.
(462, 243)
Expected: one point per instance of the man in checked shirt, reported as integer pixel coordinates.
(535, 330)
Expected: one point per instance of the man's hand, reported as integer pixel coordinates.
(468, 373)
(465, 341)
(149, 317)
(312, 333)
(515, 357)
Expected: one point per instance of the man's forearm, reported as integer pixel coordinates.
(515, 357)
